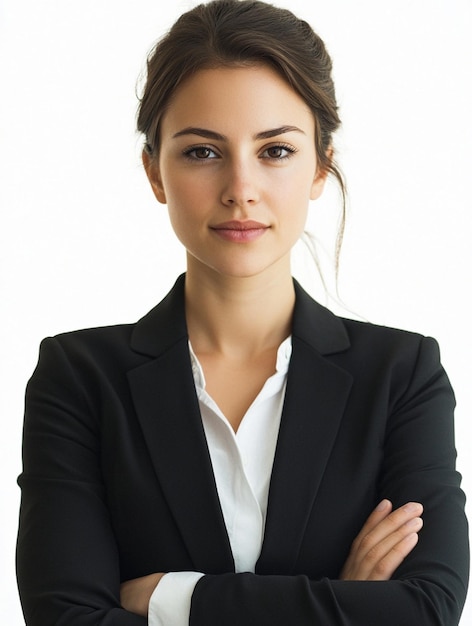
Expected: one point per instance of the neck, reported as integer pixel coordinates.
(238, 316)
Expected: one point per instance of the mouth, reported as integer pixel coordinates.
(240, 232)
(238, 225)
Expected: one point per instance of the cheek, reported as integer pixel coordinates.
(186, 210)
(182, 227)
(295, 216)
(296, 181)
(292, 195)
(187, 191)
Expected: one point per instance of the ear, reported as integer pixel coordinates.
(318, 183)
(321, 175)
(153, 173)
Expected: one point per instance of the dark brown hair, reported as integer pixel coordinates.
(238, 33)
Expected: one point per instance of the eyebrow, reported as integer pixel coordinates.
(211, 134)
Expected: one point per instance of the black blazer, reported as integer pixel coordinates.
(118, 483)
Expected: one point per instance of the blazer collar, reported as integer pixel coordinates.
(316, 325)
(165, 324)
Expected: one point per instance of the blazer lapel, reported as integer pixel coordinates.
(167, 407)
(315, 398)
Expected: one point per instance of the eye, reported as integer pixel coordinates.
(200, 153)
(278, 152)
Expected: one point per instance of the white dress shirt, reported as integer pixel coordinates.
(242, 465)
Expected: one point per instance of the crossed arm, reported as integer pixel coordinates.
(384, 541)
(68, 559)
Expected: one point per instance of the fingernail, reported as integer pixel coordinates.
(413, 507)
(382, 505)
(416, 522)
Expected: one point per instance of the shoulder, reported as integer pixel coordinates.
(378, 336)
(384, 342)
(150, 336)
(329, 333)
(375, 356)
(405, 363)
(94, 354)
(93, 338)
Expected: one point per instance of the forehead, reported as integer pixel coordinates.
(251, 98)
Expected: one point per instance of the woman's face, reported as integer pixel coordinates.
(237, 167)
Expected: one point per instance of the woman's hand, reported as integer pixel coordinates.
(136, 593)
(385, 540)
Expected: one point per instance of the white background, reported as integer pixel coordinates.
(84, 243)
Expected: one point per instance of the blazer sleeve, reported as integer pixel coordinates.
(430, 586)
(67, 558)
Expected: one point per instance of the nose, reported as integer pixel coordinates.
(240, 187)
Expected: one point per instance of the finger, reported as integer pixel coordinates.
(381, 511)
(372, 535)
(380, 534)
(385, 568)
(385, 556)
(382, 561)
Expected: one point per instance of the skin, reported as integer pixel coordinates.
(237, 146)
(237, 176)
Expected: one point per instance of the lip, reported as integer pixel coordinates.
(239, 225)
(240, 232)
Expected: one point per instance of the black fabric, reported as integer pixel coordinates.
(117, 480)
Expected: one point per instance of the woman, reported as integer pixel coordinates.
(240, 455)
